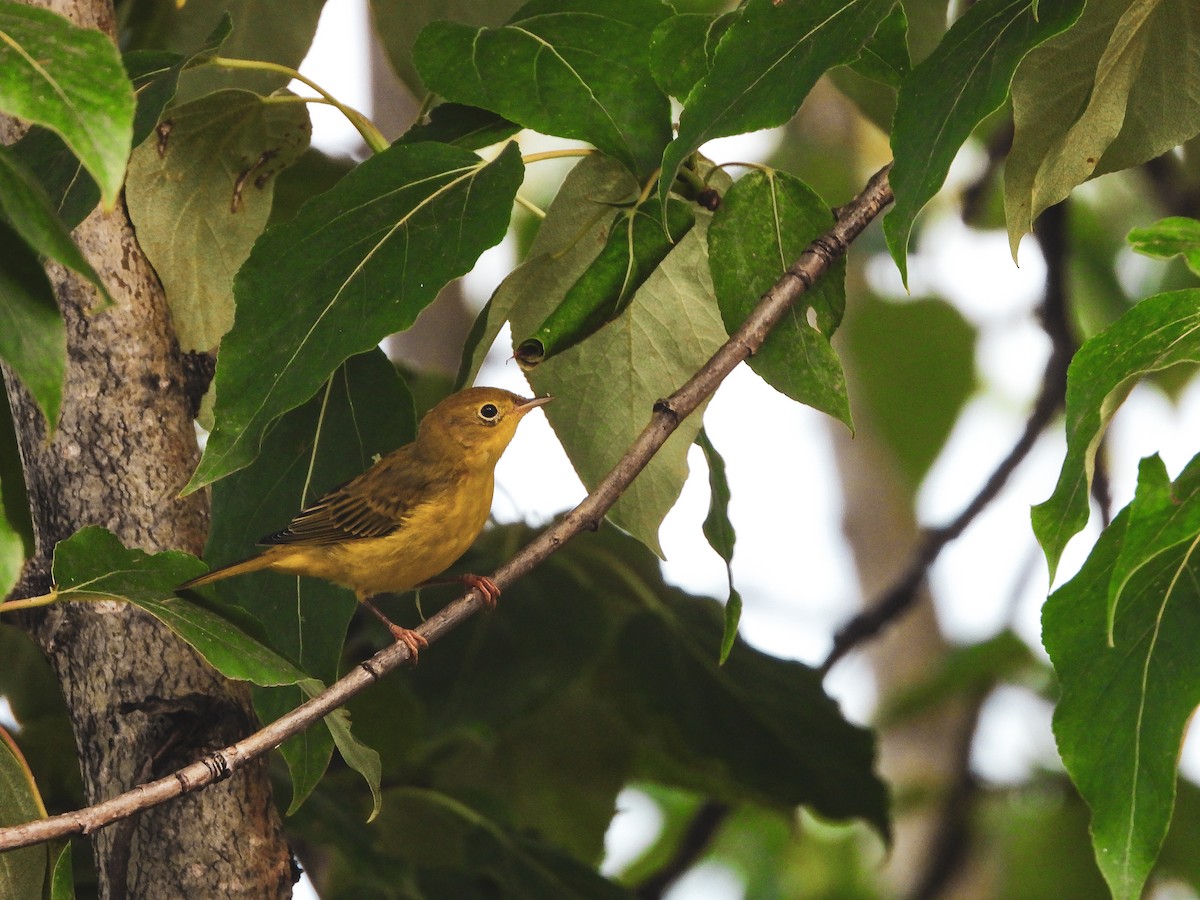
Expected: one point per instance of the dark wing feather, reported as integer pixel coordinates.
(374, 504)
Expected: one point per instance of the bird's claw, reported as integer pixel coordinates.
(413, 640)
(488, 589)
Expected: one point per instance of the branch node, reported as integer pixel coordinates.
(663, 405)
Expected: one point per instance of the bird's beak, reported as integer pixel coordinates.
(522, 408)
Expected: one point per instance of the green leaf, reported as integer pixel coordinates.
(765, 222)
(261, 31)
(965, 79)
(670, 329)
(12, 551)
(1173, 236)
(306, 754)
(1157, 333)
(155, 76)
(33, 338)
(62, 875)
(200, 192)
(1159, 521)
(542, 70)
(27, 208)
(577, 226)
(93, 565)
(884, 58)
(354, 265)
(22, 871)
(756, 727)
(1119, 88)
(365, 411)
(357, 755)
(682, 50)
(1124, 708)
(746, 90)
(72, 191)
(463, 126)
(718, 529)
(454, 849)
(71, 80)
(398, 22)
(636, 247)
(914, 364)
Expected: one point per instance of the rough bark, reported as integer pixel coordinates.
(141, 701)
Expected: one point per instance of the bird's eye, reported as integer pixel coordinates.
(488, 412)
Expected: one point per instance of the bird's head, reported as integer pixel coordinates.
(481, 420)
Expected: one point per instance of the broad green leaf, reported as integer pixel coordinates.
(605, 388)
(1173, 236)
(682, 50)
(964, 80)
(155, 75)
(1159, 521)
(763, 225)
(71, 80)
(364, 411)
(1124, 708)
(22, 871)
(306, 754)
(357, 755)
(93, 565)
(764, 67)
(72, 191)
(398, 22)
(914, 365)
(463, 126)
(261, 31)
(576, 228)
(1157, 333)
(718, 529)
(33, 338)
(29, 210)
(541, 69)
(1119, 88)
(884, 58)
(636, 247)
(756, 727)
(453, 849)
(199, 193)
(354, 265)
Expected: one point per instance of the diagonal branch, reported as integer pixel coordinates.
(816, 259)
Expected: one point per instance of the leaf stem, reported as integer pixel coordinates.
(29, 602)
(530, 207)
(373, 137)
(557, 154)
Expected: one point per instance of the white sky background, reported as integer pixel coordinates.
(762, 434)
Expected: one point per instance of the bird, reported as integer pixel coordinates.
(409, 516)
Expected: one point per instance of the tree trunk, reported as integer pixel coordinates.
(141, 701)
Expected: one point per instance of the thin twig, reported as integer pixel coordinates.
(1051, 232)
(695, 841)
(812, 264)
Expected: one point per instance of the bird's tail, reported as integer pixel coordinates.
(253, 564)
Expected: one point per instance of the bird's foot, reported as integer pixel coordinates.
(413, 640)
(487, 588)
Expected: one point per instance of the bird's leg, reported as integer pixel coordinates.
(488, 589)
(411, 639)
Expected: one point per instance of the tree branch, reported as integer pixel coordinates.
(1051, 233)
(816, 259)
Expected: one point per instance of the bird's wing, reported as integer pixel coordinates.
(372, 505)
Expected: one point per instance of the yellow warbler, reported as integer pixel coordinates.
(409, 516)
